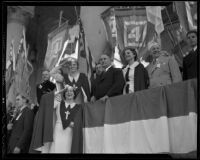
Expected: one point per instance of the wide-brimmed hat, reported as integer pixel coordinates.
(67, 61)
(66, 87)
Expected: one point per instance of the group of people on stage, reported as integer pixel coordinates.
(58, 105)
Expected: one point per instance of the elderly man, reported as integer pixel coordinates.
(111, 82)
(21, 127)
(190, 61)
(163, 69)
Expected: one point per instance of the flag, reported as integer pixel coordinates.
(85, 59)
(154, 16)
(133, 29)
(158, 120)
(10, 67)
(184, 14)
(56, 41)
(23, 68)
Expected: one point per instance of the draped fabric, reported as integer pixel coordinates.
(133, 29)
(158, 120)
(42, 136)
(186, 18)
(85, 59)
(19, 72)
(56, 40)
(108, 19)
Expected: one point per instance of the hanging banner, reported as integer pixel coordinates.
(108, 18)
(133, 29)
(56, 40)
(135, 32)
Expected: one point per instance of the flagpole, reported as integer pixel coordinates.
(77, 16)
(60, 18)
(64, 47)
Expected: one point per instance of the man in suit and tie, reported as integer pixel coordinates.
(111, 82)
(21, 127)
(190, 60)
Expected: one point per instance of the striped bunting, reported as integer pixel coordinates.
(158, 120)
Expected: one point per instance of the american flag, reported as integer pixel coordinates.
(86, 61)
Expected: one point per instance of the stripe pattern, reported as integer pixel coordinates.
(158, 120)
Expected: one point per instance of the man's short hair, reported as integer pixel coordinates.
(23, 97)
(191, 31)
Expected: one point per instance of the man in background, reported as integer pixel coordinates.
(190, 60)
(44, 87)
(111, 82)
(21, 127)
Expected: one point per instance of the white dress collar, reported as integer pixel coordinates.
(133, 65)
(75, 77)
(71, 105)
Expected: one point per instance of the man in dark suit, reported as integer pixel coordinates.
(45, 86)
(21, 127)
(42, 88)
(111, 82)
(97, 75)
(190, 60)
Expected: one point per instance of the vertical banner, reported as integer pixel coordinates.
(108, 19)
(56, 41)
(85, 58)
(187, 14)
(132, 27)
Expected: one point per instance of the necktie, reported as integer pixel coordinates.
(74, 82)
(127, 80)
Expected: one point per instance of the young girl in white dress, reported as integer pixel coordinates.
(66, 110)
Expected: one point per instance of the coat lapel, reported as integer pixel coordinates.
(153, 68)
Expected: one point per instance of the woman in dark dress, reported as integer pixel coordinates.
(76, 79)
(136, 76)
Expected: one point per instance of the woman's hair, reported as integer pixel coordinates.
(75, 94)
(68, 61)
(132, 49)
(74, 60)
